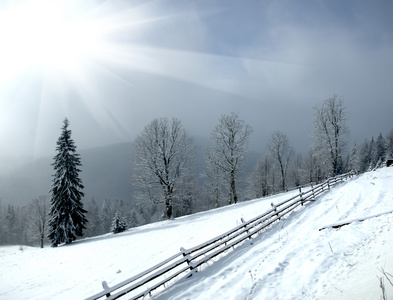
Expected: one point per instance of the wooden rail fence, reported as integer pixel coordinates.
(185, 262)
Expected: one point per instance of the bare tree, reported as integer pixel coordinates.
(215, 180)
(312, 167)
(162, 154)
(230, 144)
(281, 151)
(331, 131)
(261, 178)
(37, 220)
(297, 171)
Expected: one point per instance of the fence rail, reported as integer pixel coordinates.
(185, 262)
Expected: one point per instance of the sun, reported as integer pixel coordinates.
(45, 34)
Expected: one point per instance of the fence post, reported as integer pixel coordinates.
(301, 195)
(106, 288)
(312, 188)
(275, 209)
(242, 220)
(184, 252)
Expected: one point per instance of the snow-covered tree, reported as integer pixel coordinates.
(389, 145)
(93, 227)
(119, 223)
(330, 132)
(214, 183)
(106, 215)
(133, 219)
(297, 173)
(37, 220)
(67, 216)
(2, 225)
(162, 154)
(354, 158)
(230, 144)
(260, 182)
(11, 225)
(281, 151)
(364, 156)
(379, 151)
(312, 166)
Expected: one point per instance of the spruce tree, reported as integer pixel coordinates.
(67, 216)
(119, 224)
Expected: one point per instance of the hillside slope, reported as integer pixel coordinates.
(291, 260)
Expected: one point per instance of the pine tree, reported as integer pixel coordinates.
(106, 215)
(93, 227)
(119, 224)
(67, 216)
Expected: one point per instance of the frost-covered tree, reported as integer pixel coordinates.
(186, 199)
(330, 132)
(364, 156)
(312, 166)
(133, 219)
(119, 223)
(67, 215)
(214, 183)
(2, 225)
(93, 227)
(297, 173)
(162, 155)
(261, 178)
(281, 151)
(37, 220)
(354, 158)
(389, 145)
(106, 215)
(230, 145)
(379, 151)
(11, 225)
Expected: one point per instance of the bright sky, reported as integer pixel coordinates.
(111, 67)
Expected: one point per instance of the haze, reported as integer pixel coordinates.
(111, 67)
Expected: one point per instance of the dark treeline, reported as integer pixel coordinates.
(166, 184)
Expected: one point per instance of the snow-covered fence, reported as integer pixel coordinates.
(187, 261)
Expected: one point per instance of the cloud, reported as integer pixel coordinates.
(269, 61)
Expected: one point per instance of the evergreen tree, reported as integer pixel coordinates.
(379, 152)
(106, 215)
(67, 216)
(11, 225)
(364, 156)
(133, 220)
(119, 223)
(389, 145)
(93, 227)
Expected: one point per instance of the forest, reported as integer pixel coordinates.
(166, 185)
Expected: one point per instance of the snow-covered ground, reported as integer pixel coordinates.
(291, 260)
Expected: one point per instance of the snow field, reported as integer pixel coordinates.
(290, 260)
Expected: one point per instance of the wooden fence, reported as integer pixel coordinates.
(185, 262)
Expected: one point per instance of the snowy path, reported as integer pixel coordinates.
(291, 260)
(294, 260)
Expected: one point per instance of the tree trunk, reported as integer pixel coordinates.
(233, 187)
(168, 205)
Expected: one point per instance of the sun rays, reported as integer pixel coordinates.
(74, 60)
